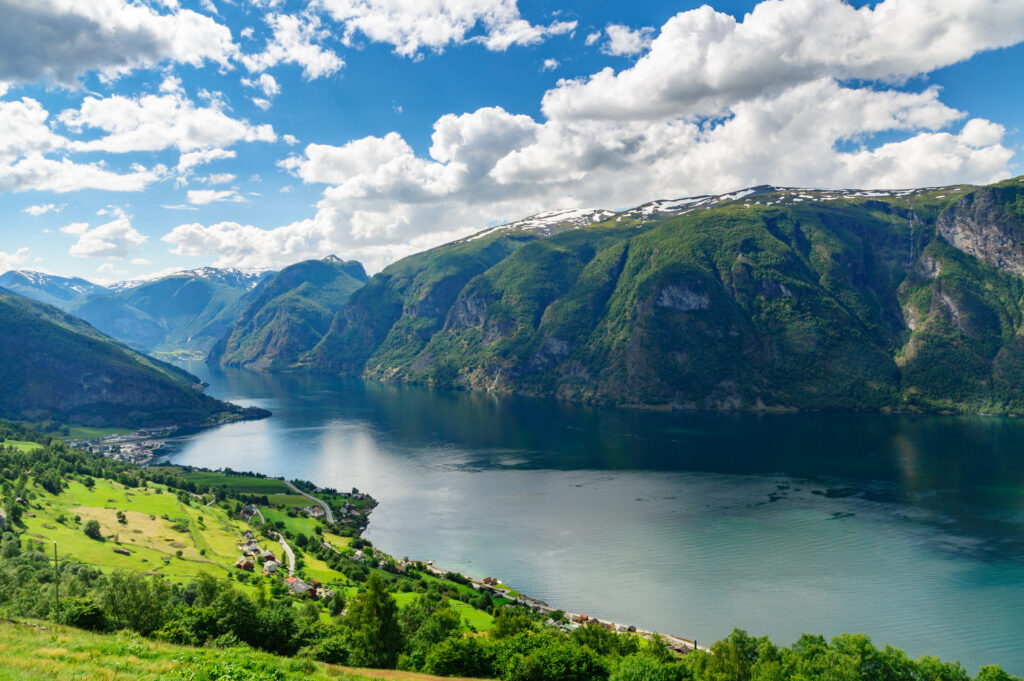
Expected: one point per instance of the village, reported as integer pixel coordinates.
(139, 447)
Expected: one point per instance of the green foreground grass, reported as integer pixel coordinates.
(40, 651)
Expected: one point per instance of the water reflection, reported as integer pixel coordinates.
(907, 527)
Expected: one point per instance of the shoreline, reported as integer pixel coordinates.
(679, 644)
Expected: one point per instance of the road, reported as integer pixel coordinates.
(327, 509)
(288, 552)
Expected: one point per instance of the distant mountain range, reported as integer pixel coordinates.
(767, 298)
(187, 311)
(58, 367)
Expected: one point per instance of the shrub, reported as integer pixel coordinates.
(92, 530)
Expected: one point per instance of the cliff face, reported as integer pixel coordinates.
(55, 366)
(988, 224)
(776, 299)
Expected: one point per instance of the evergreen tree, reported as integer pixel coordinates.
(373, 619)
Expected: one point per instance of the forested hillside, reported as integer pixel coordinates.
(290, 314)
(55, 366)
(765, 299)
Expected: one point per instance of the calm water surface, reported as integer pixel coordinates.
(910, 529)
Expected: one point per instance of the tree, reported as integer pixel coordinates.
(92, 530)
(121, 518)
(132, 601)
(373, 619)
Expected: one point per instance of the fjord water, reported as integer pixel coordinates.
(907, 528)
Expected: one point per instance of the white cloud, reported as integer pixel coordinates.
(25, 130)
(665, 136)
(115, 239)
(44, 208)
(592, 38)
(624, 41)
(702, 60)
(155, 122)
(323, 163)
(140, 261)
(266, 82)
(290, 140)
(12, 261)
(296, 41)
(188, 161)
(549, 65)
(60, 40)
(434, 24)
(218, 178)
(34, 172)
(202, 197)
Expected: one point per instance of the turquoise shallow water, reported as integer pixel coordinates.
(907, 528)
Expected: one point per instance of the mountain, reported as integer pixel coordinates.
(290, 314)
(767, 298)
(55, 366)
(188, 310)
(47, 288)
(185, 311)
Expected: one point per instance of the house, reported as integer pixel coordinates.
(300, 588)
(247, 512)
(244, 563)
(248, 536)
(271, 567)
(251, 548)
(267, 555)
(314, 511)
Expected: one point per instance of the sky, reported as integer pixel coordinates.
(140, 137)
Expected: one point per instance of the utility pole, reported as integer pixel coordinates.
(56, 580)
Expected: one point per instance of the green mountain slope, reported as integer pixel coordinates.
(289, 315)
(186, 311)
(766, 299)
(55, 366)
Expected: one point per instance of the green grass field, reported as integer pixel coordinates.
(208, 542)
(44, 651)
(87, 433)
(243, 484)
(305, 525)
(21, 445)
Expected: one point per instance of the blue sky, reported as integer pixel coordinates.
(142, 137)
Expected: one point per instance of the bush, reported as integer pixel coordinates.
(82, 613)
(92, 530)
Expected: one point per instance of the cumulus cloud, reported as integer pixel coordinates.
(60, 40)
(434, 24)
(624, 41)
(188, 161)
(549, 65)
(35, 172)
(296, 40)
(115, 239)
(12, 261)
(155, 122)
(702, 60)
(799, 120)
(45, 208)
(202, 197)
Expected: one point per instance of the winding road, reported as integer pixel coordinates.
(287, 552)
(327, 509)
